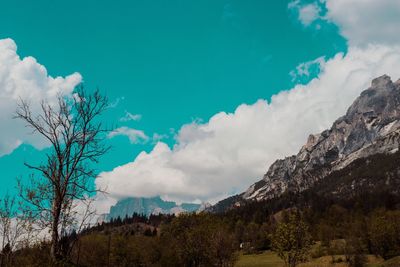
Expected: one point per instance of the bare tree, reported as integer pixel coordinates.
(12, 228)
(75, 134)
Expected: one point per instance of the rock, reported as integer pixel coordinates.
(371, 125)
(148, 206)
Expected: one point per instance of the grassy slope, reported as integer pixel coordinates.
(266, 259)
(393, 262)
(270, 259)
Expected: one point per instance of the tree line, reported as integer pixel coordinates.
(55, 202)
(205, 239)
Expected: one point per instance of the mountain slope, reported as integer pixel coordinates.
(364, 185)
(148, 206)
(370, 126)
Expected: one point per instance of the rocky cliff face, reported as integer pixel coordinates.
(370, 126)
(148, 206)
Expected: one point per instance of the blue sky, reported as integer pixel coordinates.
(170, 61)
(176, 64)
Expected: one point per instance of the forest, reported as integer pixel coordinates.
(205, 239)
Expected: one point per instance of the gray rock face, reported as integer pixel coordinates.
(148, 206)
(370, 126)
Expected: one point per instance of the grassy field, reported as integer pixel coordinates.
(266, 259)
(270, 259)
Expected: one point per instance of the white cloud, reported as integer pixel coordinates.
(158, 137)
(25, 78)
(130, 117)
(305, 69)
(361, 22)
(232, 150)
(102, 203)
(116, 102)
(307, 13)
(135, 136)
(364, 22)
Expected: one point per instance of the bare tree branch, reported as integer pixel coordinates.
(75, 133)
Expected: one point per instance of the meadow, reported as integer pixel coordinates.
(270, 259)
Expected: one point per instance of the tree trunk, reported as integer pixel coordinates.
(79, 252)
(55, 238)
(108, 250)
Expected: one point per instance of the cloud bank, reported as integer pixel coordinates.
(225, 155)
(25, 78)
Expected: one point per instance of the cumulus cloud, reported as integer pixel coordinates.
(130, 117)
(232, 150)
(135, 136)
(25, 78)
(361, 22)
(364, 22)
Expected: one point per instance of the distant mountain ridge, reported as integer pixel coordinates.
(148, 206)
(370, 126)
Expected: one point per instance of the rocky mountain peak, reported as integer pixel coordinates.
(378, 100)
(148, 206)
(381, 82)
(311, 141)
(371, 125)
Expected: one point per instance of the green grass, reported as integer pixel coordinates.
(265, 259)
(393, 262)
(270, 259)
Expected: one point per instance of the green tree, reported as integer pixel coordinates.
(384, 233)
(239, 231)
(355, 252)
(292, 240)
(198, 240)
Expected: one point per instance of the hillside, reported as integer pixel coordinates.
(370, 126)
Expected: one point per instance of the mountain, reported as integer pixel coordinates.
(370, 126)
(148, 206)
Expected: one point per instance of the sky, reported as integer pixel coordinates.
(204, 95)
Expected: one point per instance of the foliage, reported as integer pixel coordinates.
(354, 225)
(200, 240)
(384, 233)
(291, 240)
